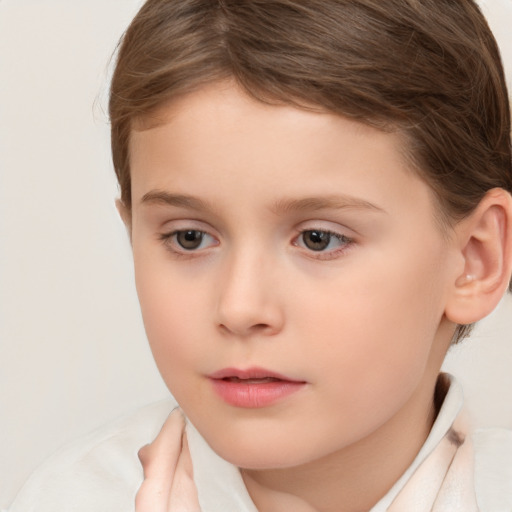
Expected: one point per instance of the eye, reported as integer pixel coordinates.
(322, 241)
(188, 240)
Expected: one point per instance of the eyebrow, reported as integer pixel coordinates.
(280, 207)
(334, 202)
(178, 200)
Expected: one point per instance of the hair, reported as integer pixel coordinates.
(429, 70)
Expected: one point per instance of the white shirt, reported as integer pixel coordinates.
(102, 473)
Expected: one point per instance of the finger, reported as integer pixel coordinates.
(159, 460)
(144, 455)
(183, 496)
(162, 453)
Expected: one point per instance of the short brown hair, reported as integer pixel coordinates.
(428, 69)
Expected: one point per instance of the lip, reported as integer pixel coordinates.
(253, 387)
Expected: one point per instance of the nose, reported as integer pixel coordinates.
(249, 300)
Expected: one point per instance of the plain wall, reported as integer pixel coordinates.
(73, 353)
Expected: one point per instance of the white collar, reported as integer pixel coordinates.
(450, 416)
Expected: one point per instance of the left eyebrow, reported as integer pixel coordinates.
(323, 203)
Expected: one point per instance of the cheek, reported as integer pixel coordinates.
(371, 333)
(171, 308)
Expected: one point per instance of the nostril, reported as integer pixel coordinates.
(246, 330)
(246, 310)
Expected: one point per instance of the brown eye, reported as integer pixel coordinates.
(190, 239)
(316, 240)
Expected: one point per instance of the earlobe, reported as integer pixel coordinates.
(485, 243)
(126, 216)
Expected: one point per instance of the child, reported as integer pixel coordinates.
(318, 199)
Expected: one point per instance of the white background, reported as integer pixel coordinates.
(73, 353)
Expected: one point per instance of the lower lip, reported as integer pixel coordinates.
(254, 394)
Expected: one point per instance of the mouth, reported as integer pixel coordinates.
(252, 381)
(250, 375)
(253, 387)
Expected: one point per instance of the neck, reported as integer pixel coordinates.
(354, 478)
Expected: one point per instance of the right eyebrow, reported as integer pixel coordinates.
(177, 200)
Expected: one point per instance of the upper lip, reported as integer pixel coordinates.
(249, 373)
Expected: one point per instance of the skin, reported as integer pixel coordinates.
(363, 322)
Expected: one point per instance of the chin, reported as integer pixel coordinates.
(256, 458)
(260, 452)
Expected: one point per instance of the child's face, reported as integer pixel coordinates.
(294, 242)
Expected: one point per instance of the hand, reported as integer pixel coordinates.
(168, 484)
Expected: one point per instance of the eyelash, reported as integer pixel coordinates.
(168, 239)
(345, 243)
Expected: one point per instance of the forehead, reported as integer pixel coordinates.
(206, 102)
(218, 137)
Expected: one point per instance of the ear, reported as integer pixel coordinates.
(485, 242)
(126, 216)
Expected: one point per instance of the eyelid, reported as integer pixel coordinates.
(331, 226)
